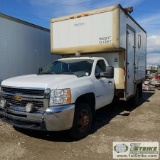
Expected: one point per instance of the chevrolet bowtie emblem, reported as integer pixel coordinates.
(17, 97)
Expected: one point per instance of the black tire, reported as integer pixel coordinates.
(135, 99)
(82, 121)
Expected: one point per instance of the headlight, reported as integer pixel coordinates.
(60, 96)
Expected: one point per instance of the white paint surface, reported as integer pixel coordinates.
(84, 31)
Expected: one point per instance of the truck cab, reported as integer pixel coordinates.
(63, 96)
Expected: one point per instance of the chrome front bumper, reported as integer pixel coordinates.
(52, 119)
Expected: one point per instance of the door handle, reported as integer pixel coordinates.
(110, 82)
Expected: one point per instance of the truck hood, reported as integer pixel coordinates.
(39, 81)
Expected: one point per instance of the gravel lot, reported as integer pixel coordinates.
(143, 124)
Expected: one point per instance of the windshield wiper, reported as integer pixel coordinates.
(46, 73)
(68, 73)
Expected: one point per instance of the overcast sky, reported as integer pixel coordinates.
(146, 13)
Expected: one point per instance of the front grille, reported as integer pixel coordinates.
(20, 97)
(32, 92)
(10, 100)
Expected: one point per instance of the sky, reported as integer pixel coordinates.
(39, 12)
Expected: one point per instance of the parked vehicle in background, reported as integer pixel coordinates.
(67, 93)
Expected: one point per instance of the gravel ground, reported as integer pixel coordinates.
(142, 124)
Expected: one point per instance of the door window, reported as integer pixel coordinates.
(100, 67)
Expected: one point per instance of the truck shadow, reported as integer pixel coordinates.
(107, 113)
(103, 117)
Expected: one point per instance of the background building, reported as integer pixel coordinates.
(24, 47)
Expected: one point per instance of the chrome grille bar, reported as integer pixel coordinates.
(22, 91)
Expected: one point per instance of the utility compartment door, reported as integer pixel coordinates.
(130, 64)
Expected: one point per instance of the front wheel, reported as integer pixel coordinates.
(82, 121)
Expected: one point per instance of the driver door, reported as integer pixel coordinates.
(104, 87)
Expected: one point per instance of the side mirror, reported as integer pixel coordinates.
(109, 72)
(39, 70)
(97, 75)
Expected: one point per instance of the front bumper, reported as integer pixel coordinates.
(52, 119)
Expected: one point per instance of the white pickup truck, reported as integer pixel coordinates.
(64, 95)
(67, 93)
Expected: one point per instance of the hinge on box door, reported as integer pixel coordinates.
(134, 46)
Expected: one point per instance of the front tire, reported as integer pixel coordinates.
(82, 121)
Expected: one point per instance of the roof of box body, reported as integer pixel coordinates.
(91, 12)
(23, 22)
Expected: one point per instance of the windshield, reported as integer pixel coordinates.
(79, 67)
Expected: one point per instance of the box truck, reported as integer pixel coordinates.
(24, 47)
(110, 63)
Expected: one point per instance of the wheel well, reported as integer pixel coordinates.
(139, 86)
(88, 98)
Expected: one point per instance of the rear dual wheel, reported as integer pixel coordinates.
(134, 100)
